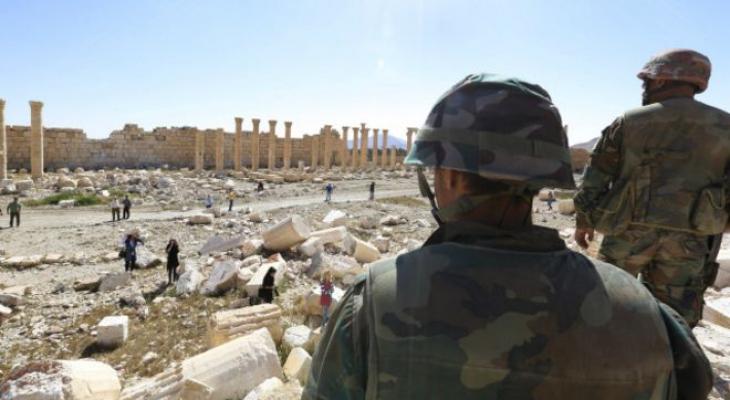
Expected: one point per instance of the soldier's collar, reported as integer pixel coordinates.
(531, 239)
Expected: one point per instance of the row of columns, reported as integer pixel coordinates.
(36, 141)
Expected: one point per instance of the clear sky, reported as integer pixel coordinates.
(99, 64)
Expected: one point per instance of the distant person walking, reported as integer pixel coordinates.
(328, 192)
(115, 209)
(130, 251)
(372, 190)
(209, 202)
(266, 291)
(231, 197)
(14, 211)
(325, 297)
(550, 199)
(127, 205)
(260, 187)
(172, 251)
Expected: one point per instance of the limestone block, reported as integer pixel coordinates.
(236, 367)
(23, 261)
(189, 282)
(11, 300)
(286, 234)
(166, 385)
(310, 246)
(65, 182)
(253, 285)
(230, 324)
(382, 243)
(84, 182)
(4, 311)
(114, 281)
(566, 207)
(70, 203)
(296, 336)
(392, 220)
(244, 275)
(309, 303)
(195, 390)
(200, 219)
(223, 278)
(221, 244)
(723, 273)
(112, 331)
(265, 388)
(23, 185)
(331, 235)
(334, 217)
(363, 252)
(90, 284)
(297, 365)
(717, 311)
(53, 258)
(543, 194)
(251, 247)
(64, 379)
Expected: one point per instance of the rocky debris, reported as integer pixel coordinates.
(23, 261)
(251, 246)
(330, 236)
(114, 280)
(717, 311)
(296, 336)
(723, 273)
(310, 247)
(65, 182)
(63, 379)
(70, 203)
(286, 234)
(412, 244)
(11, 300)
(363, 252)
(297, 365)
(566, 207)
(230, 324)
(368, 222)
(223, 277)
(133, 298)
(189, 282)
(715, 340)
(221, 244)
(382, 243)
(264, 389)
(146, 259)
(112, 331)
(53, 258)
(200, 219)
(392, 220)
(90, 284)
(256, 217)
(84, 182)
(309, 301)
(253, 285)
(335, 218)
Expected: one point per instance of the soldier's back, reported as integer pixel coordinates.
(512, 317)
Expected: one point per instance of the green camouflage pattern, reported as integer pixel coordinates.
(679, 65)
(661, 166)
(500, 128)
(671, 265)
(483, 313)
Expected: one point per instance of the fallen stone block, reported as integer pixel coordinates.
(230, 324)
(236, 367)
(53, 258)
(297, 365)
(223, 277)
(309, 303)
(112, 331)
(363, 252)
(253, 285)
(296, 336)
(368, 222)
(195, 390)
(334, 217)
(114, 281)
(18, 290)
(331, 235)
(5, 311)
(717, 311)
(286, 234)
(189, 282)
(221, 244)
(392, 220)
(70, 203)
(11, 300)
(147, 259)
(24, 261)
(200, 219)
(166, 385)
(723, 273)
(566, 207)
(544, 194)
(63, 379)
(90, 284)
(256, 217)
(251, 247)
(24, 185)
(310, 246)
(264, 389)
(314, 339)
(382, 244)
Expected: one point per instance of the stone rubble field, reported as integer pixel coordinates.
(74, 325)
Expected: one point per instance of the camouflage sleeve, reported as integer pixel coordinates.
(603, 169)
(339, 365)
(692, 370)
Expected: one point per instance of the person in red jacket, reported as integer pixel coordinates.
(325, 298)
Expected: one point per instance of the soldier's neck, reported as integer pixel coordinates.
(511, 215)
(670, 93)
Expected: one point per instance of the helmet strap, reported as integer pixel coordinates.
(425, 189)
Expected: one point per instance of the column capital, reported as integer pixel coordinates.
(256, 121)
(238, 120)
(2, 103)
(385, 131)
(272, 122)
(36, 104)
(356, 129)
(287, 124)
(345, 128)
(328, 127)
(376, 130)
(362, 125)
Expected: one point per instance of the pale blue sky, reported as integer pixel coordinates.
(99, 64)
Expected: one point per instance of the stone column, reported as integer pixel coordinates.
(255, 144)
(287, 144)
(327, 132)
(219, 160)
(384, 159)
(355, 144)
(409, 134)
(363, 146)
(392, 157)
(3, 143)
(199, 150)
(375, 147)
(272, 144)
(343, 152)
(36, 139)
(315, 151)
(237, 144)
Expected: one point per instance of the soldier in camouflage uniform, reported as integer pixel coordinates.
(493, 307)
(656, 184)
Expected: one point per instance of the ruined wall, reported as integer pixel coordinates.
(133, 147)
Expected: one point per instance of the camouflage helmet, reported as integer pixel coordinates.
(500, 128)
(679, 65)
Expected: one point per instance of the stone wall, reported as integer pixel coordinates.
(133, 147)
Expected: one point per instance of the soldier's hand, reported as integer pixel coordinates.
(581, 234)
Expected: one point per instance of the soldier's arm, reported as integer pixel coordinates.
(692, 370)
(602, 170)
(339, 366)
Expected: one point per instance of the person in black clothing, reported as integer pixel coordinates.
(372, 190)
(266, 291)
(127, 205)
(130, 251)
(172, 250)
(260, 187)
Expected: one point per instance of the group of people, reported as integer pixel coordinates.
(13, 210)
(494, 307)
(125, 205)
(129, 254)
(329, 188)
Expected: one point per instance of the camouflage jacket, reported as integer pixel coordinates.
(664, 166)
(481, 313)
